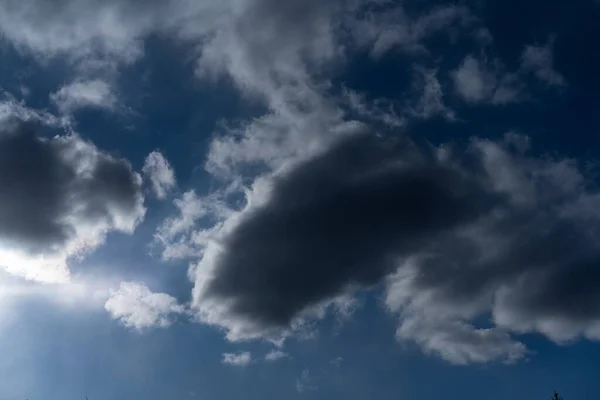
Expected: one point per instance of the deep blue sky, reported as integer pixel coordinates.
(198, 105)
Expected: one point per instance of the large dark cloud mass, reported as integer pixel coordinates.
(60, 195)
(455, 235)
(344, 218)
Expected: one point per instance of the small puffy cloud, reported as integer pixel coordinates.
(275, 355)
(60, 198)
(160, 173)
(540, 61)
(84, 94)
(472, 82)
(477, 82)
(136, 307)
(237, 359)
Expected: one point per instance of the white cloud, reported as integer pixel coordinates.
(237, 359)
(477, 82)
(277, 139)
(379, 110)
(286, 72)
(91, 30)
(94, 93)
(438, 326)
(540, 61)
(460, 343)
(191, 208)
(12, 110)
(135, 306)
(179, 237)
(472, 82)
(275, 355)
(161, 174)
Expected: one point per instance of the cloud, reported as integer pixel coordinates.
(91, 30)
(84, 94)
(60, 198)
(275, 355)
(472, 82)
(291, 73)
(396, 215)
(540, 61)
(161, 174)
(136, 307)
(241, 40)
(282, 71)
(510, 264)
(237, 359)
(430, 101)
(337, 221)
(460, 343)
(454, 234)
(395, 29)
(306, 382)
(12, 110)
(477, 82)
(179, 237)
(266, 63)
(379, 110)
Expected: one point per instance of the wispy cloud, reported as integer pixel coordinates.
(94, 93)
(160, 173)
(275, 355)
(306, 382)
(237, 359)
(539, 60)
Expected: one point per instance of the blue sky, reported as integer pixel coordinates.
(299, 199)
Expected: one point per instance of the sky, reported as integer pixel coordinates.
(299, 199)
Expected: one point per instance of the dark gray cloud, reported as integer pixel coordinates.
(455, 236)
(343, 218)
(533, 263)
(33, 180)
(60, 195)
